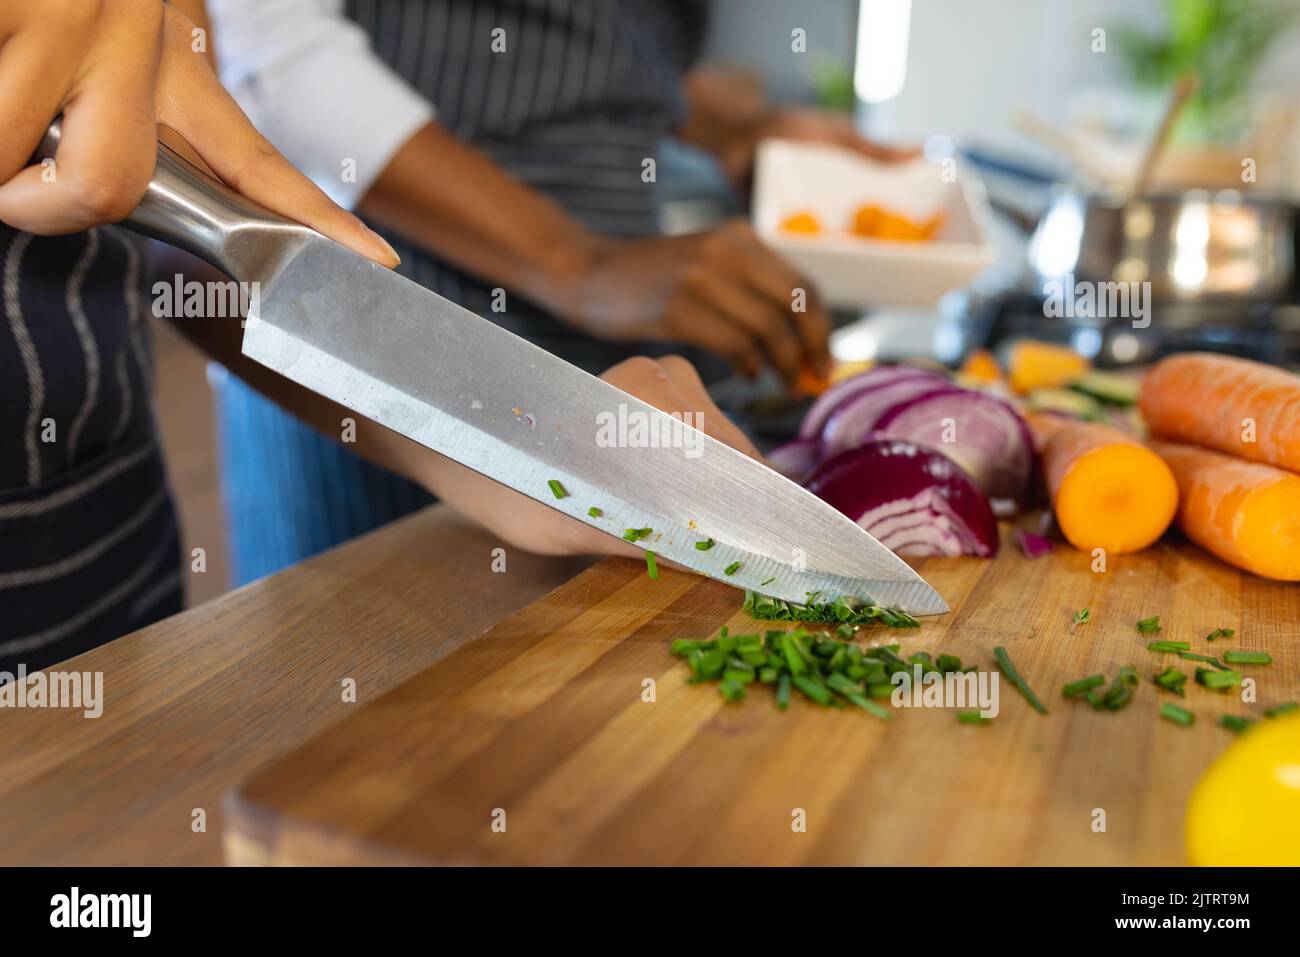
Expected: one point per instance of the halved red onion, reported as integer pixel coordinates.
(982, 433)
(815, 419)
(852, 421)
(796, 459)
(914, 500)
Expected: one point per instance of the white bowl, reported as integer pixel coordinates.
(852, 271)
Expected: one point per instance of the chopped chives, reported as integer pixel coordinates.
(558, 490)
(1171, 679)
(705, 545)
(1083, 616)
(1192, 656)
(812, 689)
(1234, 723)
(1004, 662)
(972, 717)
(1280, 709)
(651, 567)
(1075, 688)
(768, 582)
(636, 534)
(732, 568)
(846, 631)
(595, 512)
(1169, 646)
(1247, 658)
(1217, 680)
(732, 690)
(1149, 625)
(1177, 715)
(783, 692)
(1220, 633)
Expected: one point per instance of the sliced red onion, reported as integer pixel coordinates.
(815, 419)
(856, 418)
(796, 459)
(913, 499)
(982, 433)
(1034, 546)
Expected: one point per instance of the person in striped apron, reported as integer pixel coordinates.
(88, 533)
(511, 147)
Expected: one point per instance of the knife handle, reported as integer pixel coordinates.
(187, 208)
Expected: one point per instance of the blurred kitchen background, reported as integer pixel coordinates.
(1047, 108)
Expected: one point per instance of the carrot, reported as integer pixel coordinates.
(1108, 490)
(1246, 513)
(1237, 406)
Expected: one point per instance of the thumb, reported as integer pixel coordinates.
(192, 101)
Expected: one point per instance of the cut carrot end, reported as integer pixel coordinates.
(1120, 497)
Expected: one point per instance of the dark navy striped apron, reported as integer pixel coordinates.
(88, 535)
(584, 93)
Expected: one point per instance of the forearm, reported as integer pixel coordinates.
(518, 521)
(454, 202)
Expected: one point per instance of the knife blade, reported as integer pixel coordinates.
(394, 352)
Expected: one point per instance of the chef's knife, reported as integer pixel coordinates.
(385, 347)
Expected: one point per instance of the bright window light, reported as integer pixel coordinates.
(881, 63)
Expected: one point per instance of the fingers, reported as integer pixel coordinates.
(695, 322)
(742, 306)
(37, 67)
(106, 154)
(192, 101)
(767, 274)
(672, 384)
(695, 397)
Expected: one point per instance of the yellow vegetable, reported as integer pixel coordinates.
(1245, 810)
(1043, 365)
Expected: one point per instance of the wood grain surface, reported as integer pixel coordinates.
(542, 717)
(196, 702)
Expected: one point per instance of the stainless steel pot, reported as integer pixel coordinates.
(1195, 246)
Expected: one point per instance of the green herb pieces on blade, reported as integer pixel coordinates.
(1008, 669)
(705, 545)
(636, 534)
(1148, 626)
(1247, 658)
(1171, 712)
(558, 490)
(595, 512)
(732, 568)
(768, 582)
(651, 567)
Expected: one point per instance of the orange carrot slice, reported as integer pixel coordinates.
(1246, 513)
(1108, 490)
(802, 222)
(1244, 408)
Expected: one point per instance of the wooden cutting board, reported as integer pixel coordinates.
(540, 724)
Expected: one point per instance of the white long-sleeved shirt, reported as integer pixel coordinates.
(310, 82)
